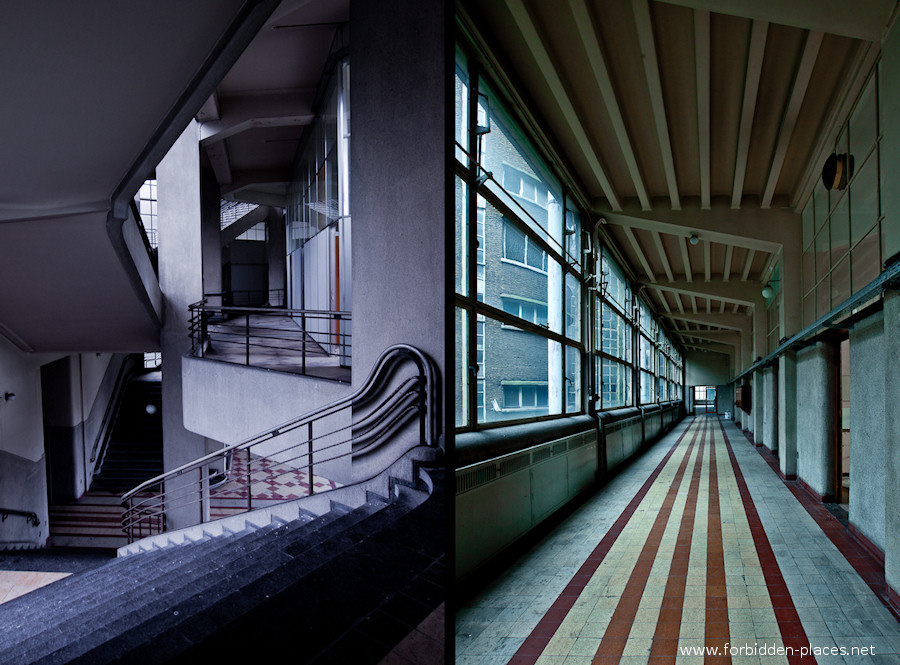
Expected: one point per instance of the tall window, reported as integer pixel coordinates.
(519, 280)
(842, 228)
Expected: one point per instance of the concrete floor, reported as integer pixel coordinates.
(696, 545)
(275, 342)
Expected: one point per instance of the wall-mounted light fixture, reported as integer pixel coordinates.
(837, 171)
(9, 397)
(694, 239)
(769, 290)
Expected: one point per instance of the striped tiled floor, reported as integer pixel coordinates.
(697, 545)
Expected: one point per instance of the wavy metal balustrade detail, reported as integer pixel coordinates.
(389, 401)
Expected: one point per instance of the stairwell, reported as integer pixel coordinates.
(346, 586)
(134, 454)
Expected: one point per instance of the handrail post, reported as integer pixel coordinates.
(249, 483)
(247, 338)
(204, 494)
(303, 337)
(309, 434)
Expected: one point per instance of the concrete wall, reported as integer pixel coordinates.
(76, 391)
(22, 466)
(398, 178)
(815, 417)
(231, 403)
(867, 428)
(706, 368)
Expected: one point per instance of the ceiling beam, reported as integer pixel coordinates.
(657, 102)
(685, 259)
(864, 19)
(726, 272)
(748, 264)
(221, 164)
(792, 113)
(740, 322)
(693, 303)
(702, 60)
(591, 43)
(707, 267)
(661, 250)
(748, 107)
(743, 293)
(554, 82)
(752, 228)
(244, 112)
(640, 253)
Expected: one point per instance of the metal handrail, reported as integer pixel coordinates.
(302, 342)
(126, 370)
(31, 517)
(392, 405)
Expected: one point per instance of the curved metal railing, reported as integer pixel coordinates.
(386, 404)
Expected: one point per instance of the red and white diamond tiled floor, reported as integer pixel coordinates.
(695, 546)
(269, 480)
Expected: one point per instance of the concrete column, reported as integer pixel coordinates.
(891, 359)
(770, 410)
(787, 414)
(181, 281)
(869, 385)
(397, 188)
(276, 249)
(815, 417)
(759, 350)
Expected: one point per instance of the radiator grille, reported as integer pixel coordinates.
(483, 473)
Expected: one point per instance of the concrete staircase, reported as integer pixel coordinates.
(344, 586)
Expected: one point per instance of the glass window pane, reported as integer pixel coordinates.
(648, 388)
(866, 264)
(573, 307)
(573, 380)
(809, 308)
(573, 236)
(821, 202)
(520, 178)
(614, 333)
(615, 287)
(808, 222)
(840, 283)
(808, 269)
(646, 350)
(462, 108)
(864, 200)
(462, 369)
(863, 122)
(461, 278)
(615, 383)
(823, 253)
(522, 374)
(840, 229)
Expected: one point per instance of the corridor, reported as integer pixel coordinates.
(696, 552)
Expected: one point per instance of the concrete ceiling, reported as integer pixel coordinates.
(253, 124)
(691, 117)
(93, 96)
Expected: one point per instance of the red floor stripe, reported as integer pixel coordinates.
(869, 567)
(537, 641)
(664, 650)
(792, 633)
(717, 631)
(614, 639)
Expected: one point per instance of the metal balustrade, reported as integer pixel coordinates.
(401, 393)
(311, 342)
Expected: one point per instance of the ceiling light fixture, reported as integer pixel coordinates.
(694, 240)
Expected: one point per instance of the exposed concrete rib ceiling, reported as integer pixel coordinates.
(253, 126)
(92, 94)
(706, 117)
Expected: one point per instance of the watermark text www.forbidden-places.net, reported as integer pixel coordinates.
(763, 649)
